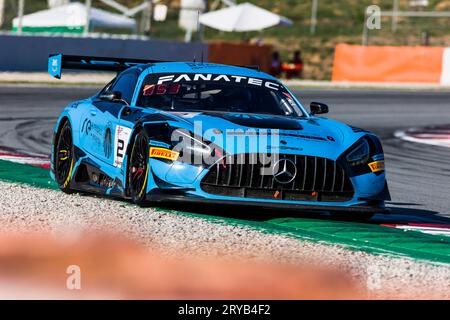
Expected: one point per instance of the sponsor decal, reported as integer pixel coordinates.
(163, 153)
(161, 89)
(54, 66)
(283, 148)
(121, 139)
(86, 127)
(196, 77)
(376, 166)
(148, 90)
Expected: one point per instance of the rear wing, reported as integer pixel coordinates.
(57, 62)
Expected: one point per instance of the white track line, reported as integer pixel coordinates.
(428, 230)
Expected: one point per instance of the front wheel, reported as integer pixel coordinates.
(64, 158)
(138, 168)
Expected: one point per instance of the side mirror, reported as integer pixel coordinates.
(111, 96)
(318, 108)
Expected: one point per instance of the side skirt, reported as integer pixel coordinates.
(89, 178)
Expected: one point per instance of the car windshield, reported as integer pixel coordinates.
(217, 93)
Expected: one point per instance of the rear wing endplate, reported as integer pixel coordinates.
(57, 62)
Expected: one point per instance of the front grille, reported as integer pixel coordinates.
(317, 179)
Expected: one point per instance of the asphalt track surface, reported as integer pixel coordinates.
(418, 174)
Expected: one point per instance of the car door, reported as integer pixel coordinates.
(105, 130)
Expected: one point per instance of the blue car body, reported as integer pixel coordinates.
(103, 134)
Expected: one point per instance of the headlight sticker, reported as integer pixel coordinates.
(378, 157)
(163, 153)
(376, 166)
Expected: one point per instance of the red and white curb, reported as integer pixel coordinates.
(436, 136)
(37, 161)
(429, 228)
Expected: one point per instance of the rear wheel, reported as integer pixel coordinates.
(138, 168)
(64, 158)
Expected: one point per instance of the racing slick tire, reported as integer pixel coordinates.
(138, 168)
(64, 158)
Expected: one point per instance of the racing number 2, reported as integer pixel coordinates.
(120, 144)
(120, 148)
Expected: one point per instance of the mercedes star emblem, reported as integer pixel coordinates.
(284, 171)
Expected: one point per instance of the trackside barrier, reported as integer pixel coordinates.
(354, 63)
(30, 52)
(240, 54)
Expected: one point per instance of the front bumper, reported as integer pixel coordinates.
(176, 197)
(367, 191)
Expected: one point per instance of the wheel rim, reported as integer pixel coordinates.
(138, 167)
(64, 156)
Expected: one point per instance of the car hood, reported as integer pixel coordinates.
(309, 136)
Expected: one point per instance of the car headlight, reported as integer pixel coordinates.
(360, 154)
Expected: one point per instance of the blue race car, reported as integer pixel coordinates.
(211, 134)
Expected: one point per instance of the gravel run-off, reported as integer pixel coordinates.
(26, 209)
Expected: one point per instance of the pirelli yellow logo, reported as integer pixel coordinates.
(163, 153)
(377, 166)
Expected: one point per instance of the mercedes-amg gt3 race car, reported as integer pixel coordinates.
(214, 134)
